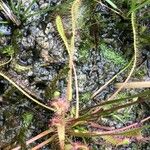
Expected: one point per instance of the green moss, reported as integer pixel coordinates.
(85, 96)
(27, 119)
(140, 73)
(112, 55)
(84, 51)
(8, 50)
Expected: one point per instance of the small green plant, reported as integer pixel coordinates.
(85, 97)
(17, 13)
(8, 50)
(26, 13)
(27, 119)
(112, 56)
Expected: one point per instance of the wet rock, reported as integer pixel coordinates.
(2, 120)
(44, 5)
(28, 42)
(81, 82)
(5, 30)
(3, 86)
(27, 3)
(49, 29)
(4, 41)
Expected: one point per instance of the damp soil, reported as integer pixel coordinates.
(39, 66)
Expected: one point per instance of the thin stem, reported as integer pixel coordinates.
(111, 110)
(104, 86)
(3, 64)
(135, 55)
(77, 92)
(117, 11)
(35, 138)
(12, 5)
(25, 93)
(142, 84)
(90, 116)
(120, 131)
(18, 7)
(143, 94)
(44, 143)
(69, 86)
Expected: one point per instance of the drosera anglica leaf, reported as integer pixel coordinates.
(61, 31)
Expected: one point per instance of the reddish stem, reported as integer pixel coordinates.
(43, 143)
(35, 138)
(95, 125)
(113, 132)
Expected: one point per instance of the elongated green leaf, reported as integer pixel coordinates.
(61, 31)
(74, 14)
(111, 4)
(142, 94)
(116, 141)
